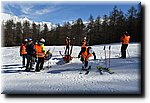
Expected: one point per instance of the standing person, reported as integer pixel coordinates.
(125, 41)
(67, 56)
(86, 53)
(67, 46)
(30, 54)
(23, 51)
(40, 52)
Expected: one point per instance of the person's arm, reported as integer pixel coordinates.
(94, 55)
(20, 50)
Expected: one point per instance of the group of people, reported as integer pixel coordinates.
(33, 52)
(36, 51)
(87, 52)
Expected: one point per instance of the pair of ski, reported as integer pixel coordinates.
(106, 69)
(86, 70)
(102, 69)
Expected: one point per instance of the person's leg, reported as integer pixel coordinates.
(37, 65)
(125, 48)
(28, 61)
(41, 63)
(86, 63)
(23, 60)
(31, 62)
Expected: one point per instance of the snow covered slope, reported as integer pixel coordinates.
(65, 78)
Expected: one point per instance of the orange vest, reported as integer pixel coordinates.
(86, 55)
(83, 43)
(23, 49)
(35, 46)
(125, 39)
(39, 52)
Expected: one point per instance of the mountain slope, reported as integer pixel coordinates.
(5, 17)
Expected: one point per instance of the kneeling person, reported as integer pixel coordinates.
(85, 54)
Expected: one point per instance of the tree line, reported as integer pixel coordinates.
(102, 30)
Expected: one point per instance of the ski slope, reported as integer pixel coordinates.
(65, 78)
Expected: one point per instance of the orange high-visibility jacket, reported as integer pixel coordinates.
(86, 55)
(125, 39)
(39, 51)
(23, 49)
(83, 43)
(35, 46)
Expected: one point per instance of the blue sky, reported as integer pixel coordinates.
(59, 12)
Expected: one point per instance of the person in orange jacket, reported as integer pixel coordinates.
(40, 53)
(85, 55)
(23, 51)
(83, 45)
(125, 39)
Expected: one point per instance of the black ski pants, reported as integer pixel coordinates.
(85, 62)
(29, 62)
(123, 50)
(40, 63)
(67, 50)
(24, 56)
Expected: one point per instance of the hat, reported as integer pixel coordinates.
(29, 39)
(84, 38)
(25, 40)
(42, 40)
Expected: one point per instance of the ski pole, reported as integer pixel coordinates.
(105, 56)
(128, 53)
(109, 55)
(53, 49)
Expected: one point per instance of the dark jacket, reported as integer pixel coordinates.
(30, 49)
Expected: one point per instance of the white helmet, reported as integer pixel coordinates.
(84, 38)
(26, 40)
(42, 40)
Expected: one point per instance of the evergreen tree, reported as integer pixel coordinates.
(26, 30)
(132, 16)
(19, 36)
(90, 28)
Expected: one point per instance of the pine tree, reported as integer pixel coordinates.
(90, 27)
(132, 16)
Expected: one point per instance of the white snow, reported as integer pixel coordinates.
(65, 78)
(5, 17)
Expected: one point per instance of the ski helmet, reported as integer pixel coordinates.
(67, 38)
(29, 39)
(25, 40)
(42, 40)
(84, 38)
